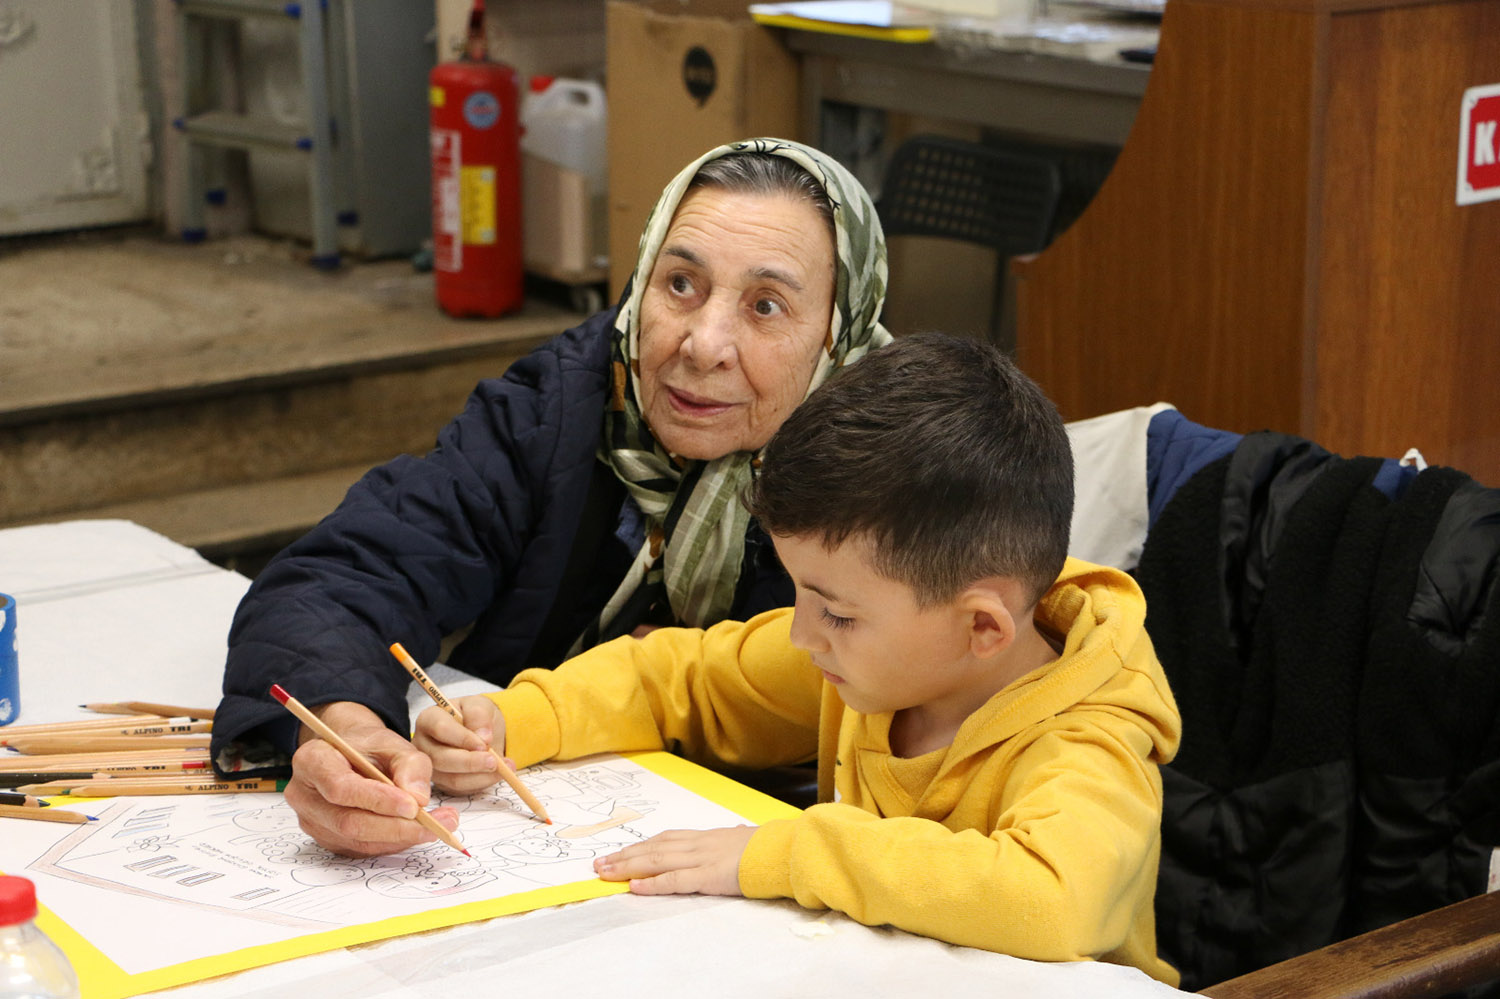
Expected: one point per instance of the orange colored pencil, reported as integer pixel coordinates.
(357, 760)
(420, 675)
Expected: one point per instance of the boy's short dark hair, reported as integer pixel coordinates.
(941, 452)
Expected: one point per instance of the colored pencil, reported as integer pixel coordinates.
(83, 725)
(164, 727)
(10, 762)
(148, 708)
(147, 769)
(19, 778)
(101, 761)
(357, 760)
(44, 814)
(25, 800)
(38, 745)
(420, 675)
(116, 787)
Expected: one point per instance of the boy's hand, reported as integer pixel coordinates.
(681, 862)
(461, 759)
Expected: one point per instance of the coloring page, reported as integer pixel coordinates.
(243, 856)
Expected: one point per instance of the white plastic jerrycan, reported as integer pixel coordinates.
(565, 124)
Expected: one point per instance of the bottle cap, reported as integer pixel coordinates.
(541, 82)
(17, 900)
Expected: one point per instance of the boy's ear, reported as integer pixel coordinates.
(987, 610)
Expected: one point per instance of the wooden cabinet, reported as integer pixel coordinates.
(1280, 245)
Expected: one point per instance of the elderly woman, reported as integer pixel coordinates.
(591, 492)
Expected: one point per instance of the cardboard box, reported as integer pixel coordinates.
(563, 224)
(684, 76)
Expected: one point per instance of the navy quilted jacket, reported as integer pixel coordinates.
(479, 532)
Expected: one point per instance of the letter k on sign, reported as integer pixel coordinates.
(1479, 145)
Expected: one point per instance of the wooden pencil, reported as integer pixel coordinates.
(164, 727)
(23, 777)
(358, 762)
(148, 708)
(506, 773)
(10, 762)
(116, 787)
(44, 814)
(18, 798)
(37, 745)
(147, 769)
(82, 725)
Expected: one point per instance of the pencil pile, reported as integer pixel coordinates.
(138, 748)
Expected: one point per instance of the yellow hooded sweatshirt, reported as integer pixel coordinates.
(1036, 833)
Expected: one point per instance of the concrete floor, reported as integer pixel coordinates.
(127, 314)
(224, 393)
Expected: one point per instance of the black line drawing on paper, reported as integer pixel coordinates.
(244, 854)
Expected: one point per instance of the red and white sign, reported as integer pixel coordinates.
(1479, 145)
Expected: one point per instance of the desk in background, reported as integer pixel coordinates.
(111, 611)
(1044, 96)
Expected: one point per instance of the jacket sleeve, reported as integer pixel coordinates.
(1062, 874)
(737, 694)
(417, 549)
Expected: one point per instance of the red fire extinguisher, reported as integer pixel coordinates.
(476, 181)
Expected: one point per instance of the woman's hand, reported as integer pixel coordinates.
(348, 813)
(460, 752)
(681, 862)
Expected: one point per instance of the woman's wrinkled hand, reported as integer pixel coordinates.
(460, 751)
(348, 813)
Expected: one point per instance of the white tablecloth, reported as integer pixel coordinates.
(108, 610)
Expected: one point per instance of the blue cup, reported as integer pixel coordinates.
(10, 671)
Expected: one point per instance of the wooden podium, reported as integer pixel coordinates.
(1279, 245)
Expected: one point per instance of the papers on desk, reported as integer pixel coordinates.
(221, 883)
(865, 18)
(1090, 29)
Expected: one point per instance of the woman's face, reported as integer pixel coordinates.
(737, 308)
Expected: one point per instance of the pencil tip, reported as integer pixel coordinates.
(92, 818)
(466, 853)
(549, 822)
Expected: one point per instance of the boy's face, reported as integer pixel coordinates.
(867, 634)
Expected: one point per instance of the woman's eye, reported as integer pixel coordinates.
(767, 307)
(834, 621)
(681, 284)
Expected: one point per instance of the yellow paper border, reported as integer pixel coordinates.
(892, 34)
(101, 978)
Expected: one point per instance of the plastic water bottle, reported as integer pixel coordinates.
(31, 965)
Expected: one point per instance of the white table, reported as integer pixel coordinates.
(111, 611)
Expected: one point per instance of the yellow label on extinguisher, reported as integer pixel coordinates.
(477, 200)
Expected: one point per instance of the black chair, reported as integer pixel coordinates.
(952, 189)
(937, 186)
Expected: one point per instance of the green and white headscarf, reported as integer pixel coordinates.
(696, 522)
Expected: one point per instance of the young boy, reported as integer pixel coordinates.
(988, 715)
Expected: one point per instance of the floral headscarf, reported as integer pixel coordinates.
(696, 522)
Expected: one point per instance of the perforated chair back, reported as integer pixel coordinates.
(937, 186)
